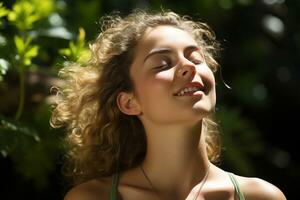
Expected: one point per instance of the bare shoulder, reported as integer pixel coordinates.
(96, 189)
(258, 189)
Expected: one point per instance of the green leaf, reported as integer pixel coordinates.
(35, 160)
(65, 52)
(25, 51)
(3, 10)
(20, 45)
(43, 8)
(32, 51)
(27, 61)
(23, 15)
(12, 134)
(85, 55)
(77, 51)
(73, 49)
(26, 12)
(81, 37)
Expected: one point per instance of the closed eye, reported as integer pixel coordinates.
(197, 62)
(162, 67)
(162, 63)
(196, 57)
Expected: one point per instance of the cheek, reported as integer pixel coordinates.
(212, 81)
(160, 82)
(167, 75)
(212, 85)
(208, 77)
(152, 91)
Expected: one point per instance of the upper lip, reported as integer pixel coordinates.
(191, 84)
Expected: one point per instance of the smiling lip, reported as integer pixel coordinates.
(198, 85)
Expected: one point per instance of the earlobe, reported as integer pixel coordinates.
(127, 104)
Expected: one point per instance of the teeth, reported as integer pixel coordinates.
(187, 90)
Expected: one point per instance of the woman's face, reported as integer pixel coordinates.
(172, 82)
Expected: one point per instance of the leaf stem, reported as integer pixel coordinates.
(22, 93)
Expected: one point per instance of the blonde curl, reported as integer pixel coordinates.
(102, 140)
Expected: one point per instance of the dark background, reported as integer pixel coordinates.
(258, 116)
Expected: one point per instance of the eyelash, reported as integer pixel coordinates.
(168, 64)
(197, 61)
(164, 66)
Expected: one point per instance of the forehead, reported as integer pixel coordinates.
(164, 37)
(160, 37)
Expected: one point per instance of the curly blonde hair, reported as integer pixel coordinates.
(101, 139)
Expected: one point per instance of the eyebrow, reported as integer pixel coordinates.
(166, 50)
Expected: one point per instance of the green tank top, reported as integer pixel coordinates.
(114, 188)
(237, 186)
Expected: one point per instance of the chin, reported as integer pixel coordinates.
(205, 107)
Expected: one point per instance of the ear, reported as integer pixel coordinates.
(127, 104)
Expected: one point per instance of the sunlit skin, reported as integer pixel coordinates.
(166, 60)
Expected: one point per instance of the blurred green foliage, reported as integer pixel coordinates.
(25, 13)
(77, 51)
(259, 61)
(25, 136)
(241, 139)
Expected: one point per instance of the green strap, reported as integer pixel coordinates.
(237, 186)
(114, 188)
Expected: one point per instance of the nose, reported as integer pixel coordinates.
(187, 69)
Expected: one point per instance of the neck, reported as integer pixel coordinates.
(176, 153)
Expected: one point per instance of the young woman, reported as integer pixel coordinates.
(139, 115)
